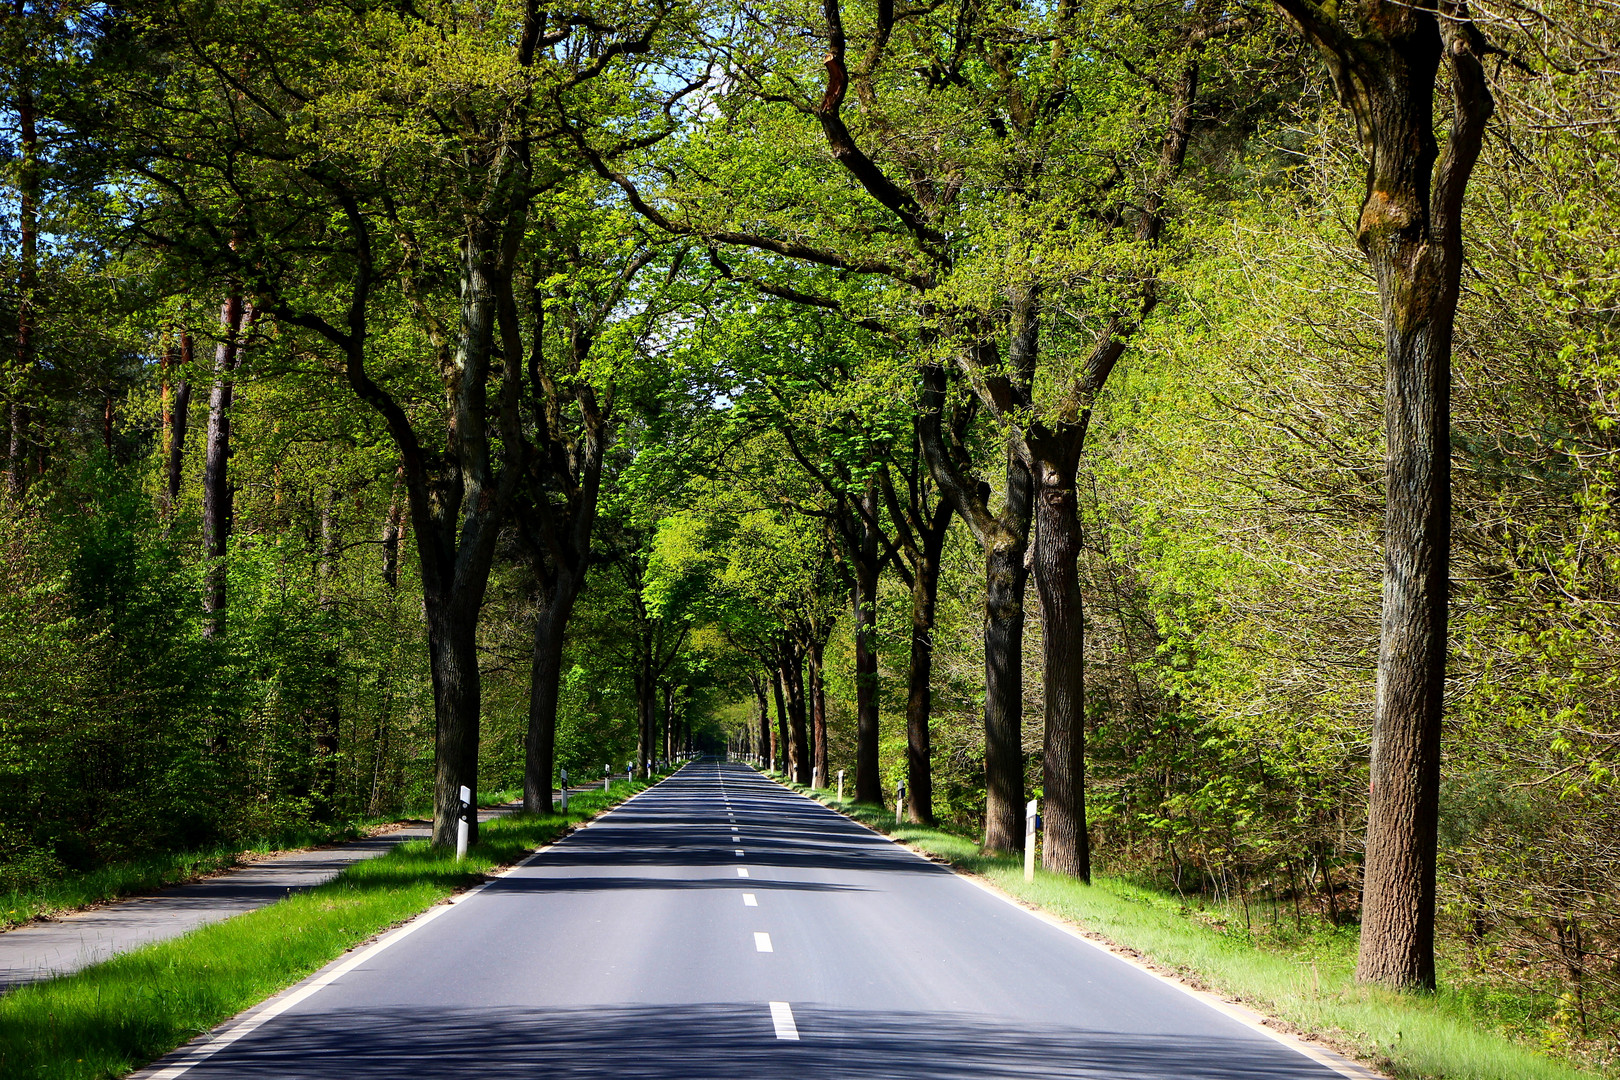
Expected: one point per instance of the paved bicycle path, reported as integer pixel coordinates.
(63, 945)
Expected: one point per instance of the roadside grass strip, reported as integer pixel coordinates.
(1438, 1036)
(114, 1017)
(133, 877)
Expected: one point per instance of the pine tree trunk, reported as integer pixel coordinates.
(1066, 848)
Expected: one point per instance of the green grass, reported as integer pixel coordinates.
(116, 1016)
(74, 891)
(1310, 985)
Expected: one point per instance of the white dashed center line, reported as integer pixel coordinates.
(739, 853)
(749, 900)
(742, 871)
(762, 942)
(782, 1020)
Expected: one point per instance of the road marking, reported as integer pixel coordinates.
(762, 942)
(739, 853)
(782, 1019)
(749, 900)
(742, 871)
(1250, 1019)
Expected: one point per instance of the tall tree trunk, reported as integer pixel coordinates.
(799, 746)
(1066, 848)
(762, 726)
(27, 274)
(779, 736)
(217, 495)
(453, 658)
(328, 712)
(868, 781)
(1005, 580)
(818, 711)
(393, 527)
(1004, 537)
(545, 687)
(646, 704)
(919, 679)
(1411, 231)
(181, 417)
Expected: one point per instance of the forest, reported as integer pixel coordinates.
(1198, 417)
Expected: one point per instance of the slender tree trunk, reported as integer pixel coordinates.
(181, 414)
(217, 495)
(762, 727)
(545, 686)
(868, 781)
(328, 714)
(919, 680)
(818, 711)
(779, 737)
(1066, 848)
(799, 746)
(27, 277)
(393, 528)
(646, 704)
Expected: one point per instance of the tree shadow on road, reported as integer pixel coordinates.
(729, 1042)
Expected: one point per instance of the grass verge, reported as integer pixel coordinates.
(114, 1017)
(1437, 1036)
(76, 891)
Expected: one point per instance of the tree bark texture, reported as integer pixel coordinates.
(217, 494)
(1066, 848)
(179, 420)
(545, 684)
(779, 735)
(762, 746)
(868, 781)
(799, 743)
(1411, 231)
(818, 711)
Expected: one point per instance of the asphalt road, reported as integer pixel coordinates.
(717, 926)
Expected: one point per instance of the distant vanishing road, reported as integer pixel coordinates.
(718, 926)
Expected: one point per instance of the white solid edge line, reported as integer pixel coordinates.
(250, 1020)
(1249, 1018)
(782, 1020)
(762, 942)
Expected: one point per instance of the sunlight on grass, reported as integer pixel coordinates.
(116, 1016)
(1310, 986)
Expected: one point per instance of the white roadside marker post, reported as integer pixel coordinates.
(840, 785)
(1030, 819)
(815, 777)
(899, 801)
(462, 810)
(565, 790)
(607, 777)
